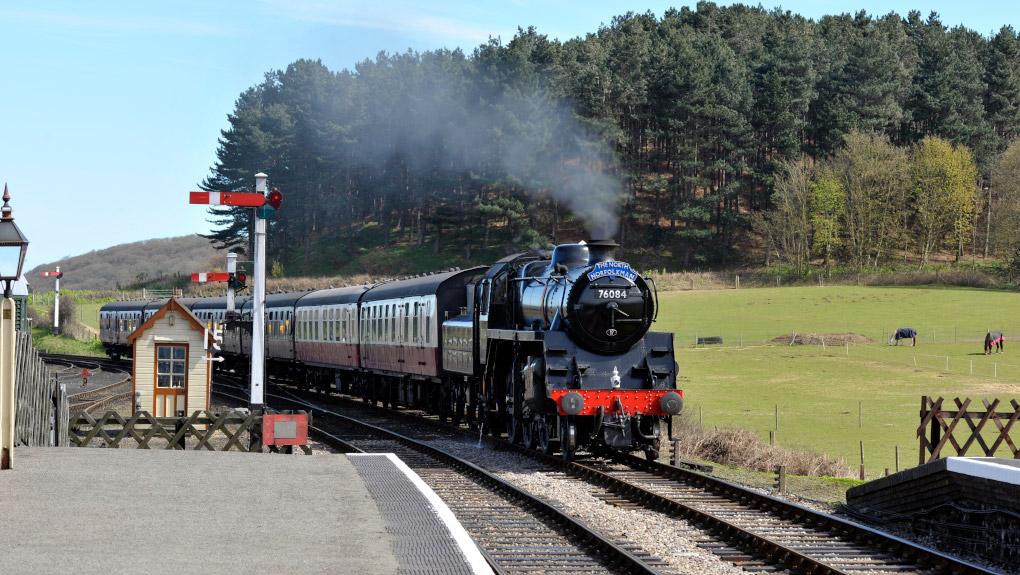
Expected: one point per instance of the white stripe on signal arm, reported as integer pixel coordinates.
(214, 200)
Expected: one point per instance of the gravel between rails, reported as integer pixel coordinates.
(673, 540)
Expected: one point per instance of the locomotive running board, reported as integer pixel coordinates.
(514, 334)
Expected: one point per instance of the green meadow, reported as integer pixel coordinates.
(831, 399)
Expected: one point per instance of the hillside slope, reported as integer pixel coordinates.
(149, 263)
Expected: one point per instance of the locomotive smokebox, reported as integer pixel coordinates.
(601, 251)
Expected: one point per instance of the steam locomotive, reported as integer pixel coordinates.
(553, 349)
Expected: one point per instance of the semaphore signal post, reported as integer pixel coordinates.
(265, 206)
(56, 297)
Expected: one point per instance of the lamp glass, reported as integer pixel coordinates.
(10, 261)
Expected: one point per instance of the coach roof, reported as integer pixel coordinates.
(419, 286)
(333, 296)
(132, 305)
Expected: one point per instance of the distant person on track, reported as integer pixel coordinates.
(994, 339)
(904, 333)
(85, 377)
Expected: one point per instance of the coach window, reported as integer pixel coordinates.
(428, 323)
(414, 324)
(407, 322)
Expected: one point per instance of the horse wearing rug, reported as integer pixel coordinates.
(994, 339)
(904, 333)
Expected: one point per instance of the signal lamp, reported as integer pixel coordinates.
(274, 198)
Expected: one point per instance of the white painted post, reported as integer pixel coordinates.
(995, 370)
(947, 363)
(56, 304)
(972, 367)
(8, 409)
(231, 269)
(258, 312)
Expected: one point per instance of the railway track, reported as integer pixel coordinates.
(518, 532)
(755, 531)
(99, 397)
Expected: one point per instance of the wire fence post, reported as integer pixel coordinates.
(862, 460)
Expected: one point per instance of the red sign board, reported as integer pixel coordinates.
(285, 429)
(240, 199)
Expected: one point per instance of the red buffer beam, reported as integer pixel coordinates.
(240, 199)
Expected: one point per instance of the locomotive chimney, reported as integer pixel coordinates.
(601, 250)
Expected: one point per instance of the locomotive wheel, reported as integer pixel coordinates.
(528, 433)
(568, 438)
(544, 433)
(513, 429)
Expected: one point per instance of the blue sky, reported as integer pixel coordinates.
(110, 111)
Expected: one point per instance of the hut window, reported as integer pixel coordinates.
(171, 365)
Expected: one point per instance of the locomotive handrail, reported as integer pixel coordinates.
(655, 292)
(540, 278)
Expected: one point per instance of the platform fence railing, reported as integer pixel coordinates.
(964, 428)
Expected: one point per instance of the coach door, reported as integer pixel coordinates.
(171, 393)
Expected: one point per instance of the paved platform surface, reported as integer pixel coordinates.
(130, 511)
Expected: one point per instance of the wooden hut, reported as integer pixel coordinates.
(172, 374)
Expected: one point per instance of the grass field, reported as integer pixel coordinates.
(819, 391)
(47, 342)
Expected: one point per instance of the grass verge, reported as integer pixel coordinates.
(45, 341)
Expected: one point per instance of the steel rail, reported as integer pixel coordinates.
(607, 552)
(922, 555)
(79, 402)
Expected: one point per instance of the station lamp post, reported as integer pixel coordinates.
(13, 246)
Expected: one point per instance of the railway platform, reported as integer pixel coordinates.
(967, 504)
(65, 510)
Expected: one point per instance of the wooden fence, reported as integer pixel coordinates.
(42, 403)
(940, 427)
(232, 430)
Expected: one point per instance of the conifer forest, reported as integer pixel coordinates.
(701, 137)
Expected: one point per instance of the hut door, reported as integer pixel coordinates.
(171, 394)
